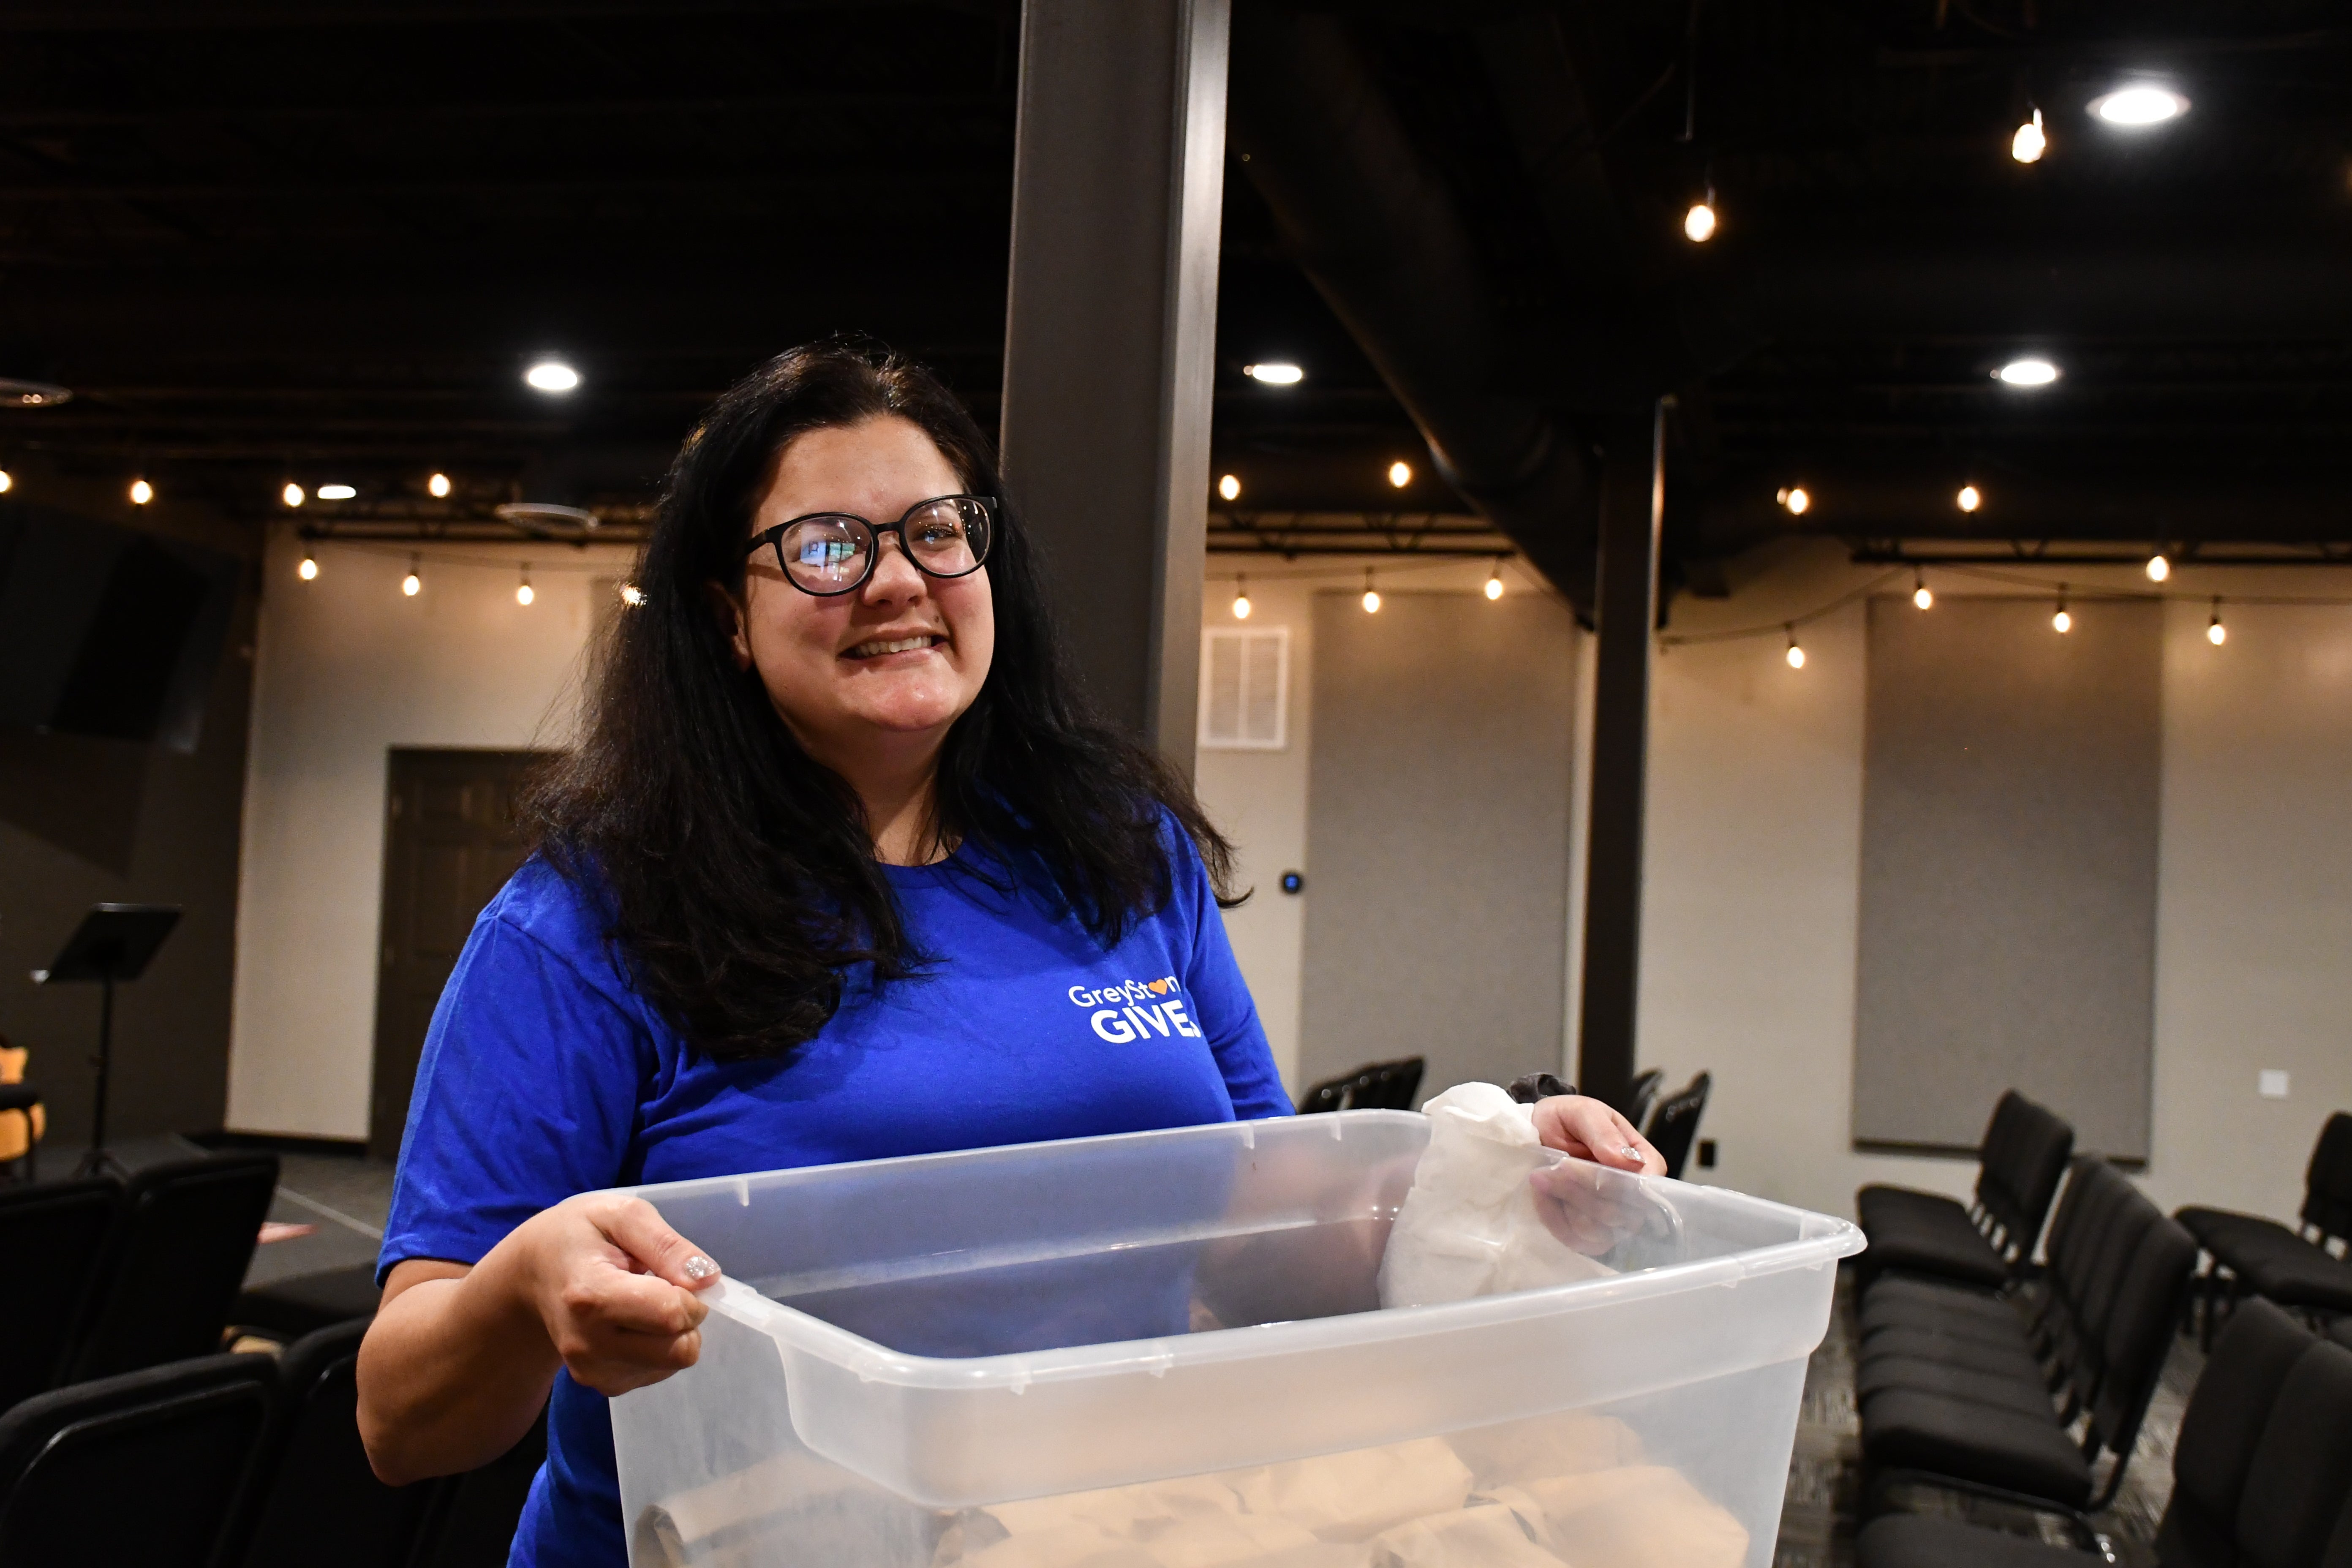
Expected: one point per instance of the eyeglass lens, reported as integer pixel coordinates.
(946, 538)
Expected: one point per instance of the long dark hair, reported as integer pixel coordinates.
(737, 874)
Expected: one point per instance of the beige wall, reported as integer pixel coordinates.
(1754, 843)
(346, 668)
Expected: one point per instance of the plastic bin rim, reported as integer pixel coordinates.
(871, 1361)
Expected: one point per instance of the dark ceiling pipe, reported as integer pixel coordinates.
(1375, 230)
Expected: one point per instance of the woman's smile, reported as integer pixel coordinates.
(891, 647)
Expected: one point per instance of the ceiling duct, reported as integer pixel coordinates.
(1377, 232)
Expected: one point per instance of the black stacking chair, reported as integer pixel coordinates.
(1643, 1093)
(138, 1470)
(1375, 1086)
(2260, 1472)
(1675, 1125)
(2252, 1255)
(173, 1263)
(313, 1498)
(1977, 1406)
(1989, 1243)
(308, 1302)
(475, 1515)
(52, 1239)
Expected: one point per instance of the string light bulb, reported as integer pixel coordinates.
(1919, 593)
(437, 485)
(7, 482)
(1495, 580)
(2215, 632)
(142, 492)
(292, 494)
(2061, 623)
(414, 583)
(1230, 486)
(1400, 475)
(1698, 224)
(1241, 597)
(309, 570)
(1371, 594)
(1969, 499)
(523, 593)
(1796, 498)
(2159, 568)
(2028, 144)
(1796, 655)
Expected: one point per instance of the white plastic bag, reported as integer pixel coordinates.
(1469, 1225)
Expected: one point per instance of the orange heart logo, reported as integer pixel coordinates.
(1156, 987)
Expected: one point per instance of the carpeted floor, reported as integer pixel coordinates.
(1817, 1521)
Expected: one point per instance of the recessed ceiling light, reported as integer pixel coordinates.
(1230, 486)
(292, 494)
(1400, 474)
(337, 492)
(437, 485)
(2140, 105)
(33, 394)
(1698, 224)
(1274, 374)
(551, 375)
(2028, 372)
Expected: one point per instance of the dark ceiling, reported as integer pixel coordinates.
(320, 240)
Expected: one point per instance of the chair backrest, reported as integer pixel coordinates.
(312, 1498)
(174, 1265)
(2328, 1180)
(142, 1469)
(1375, 1086)
(2139, 1330)
(2021, 1171)
(1675, 1124)
(1641, 1093)
(2224, 1421)
(2301, 1473)
(52, 1240)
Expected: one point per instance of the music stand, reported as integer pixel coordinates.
(113, 943)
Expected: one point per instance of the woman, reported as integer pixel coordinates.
(838, 860)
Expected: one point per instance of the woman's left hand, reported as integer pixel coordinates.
(1580, 1125)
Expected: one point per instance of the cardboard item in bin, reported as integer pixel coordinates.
(1490, 1535)
(1355, 1496)
(1469, 1226)
(1641, 1516)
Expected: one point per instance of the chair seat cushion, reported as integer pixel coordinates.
(1885, 1307)
(1902, 1428)
(1914, 1541)
(2216, 1229)
(2007, 1328)
(2012, 1360)
(2298, 1275)
(1925, 1233)
(2030, 1396)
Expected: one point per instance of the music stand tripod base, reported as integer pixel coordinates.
(113, 943)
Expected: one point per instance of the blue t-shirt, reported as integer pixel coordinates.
(544, 1075)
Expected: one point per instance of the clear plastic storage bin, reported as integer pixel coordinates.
(1165, 1350)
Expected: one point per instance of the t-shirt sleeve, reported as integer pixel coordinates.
(526, 1094)
(1228, 1015)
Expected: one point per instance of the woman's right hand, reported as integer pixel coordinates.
(615, 1290)
(459, 1360)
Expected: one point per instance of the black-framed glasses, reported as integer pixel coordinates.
(830, 553)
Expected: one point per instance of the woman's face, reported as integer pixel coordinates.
(840, 670)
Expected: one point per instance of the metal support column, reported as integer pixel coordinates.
(1109, 342)
(1625, 611)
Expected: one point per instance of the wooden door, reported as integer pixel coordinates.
(450, 844)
